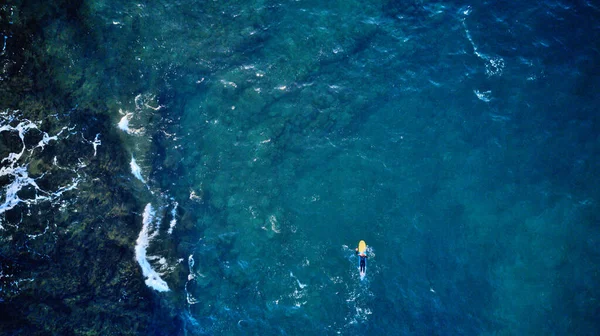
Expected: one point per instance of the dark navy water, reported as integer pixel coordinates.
(208, 168)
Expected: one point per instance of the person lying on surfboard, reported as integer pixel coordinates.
(363, 260)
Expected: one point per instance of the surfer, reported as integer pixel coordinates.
(363, 260)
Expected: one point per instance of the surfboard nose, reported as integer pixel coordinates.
(362, 247)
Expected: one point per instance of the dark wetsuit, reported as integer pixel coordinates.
(363, 261)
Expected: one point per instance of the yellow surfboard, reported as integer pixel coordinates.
(362, 247)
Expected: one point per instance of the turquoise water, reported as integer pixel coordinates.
(228, 157)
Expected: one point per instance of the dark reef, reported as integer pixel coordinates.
(86, 279)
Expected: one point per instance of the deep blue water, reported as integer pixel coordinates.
(459, 140)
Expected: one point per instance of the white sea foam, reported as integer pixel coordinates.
(174, 219)
(483, 96)
(4, 46)
(21, 179)
(124, 122)
(298, 292)
(34, 236)
(21, 128)
(46, 139)
(140, 114)
(494, 65)
(17, 172)
(227, 83)
(191, 276)
(194, 196)
(153, 279)
(136, 170)
(301, 285)
(96, 143)
(191, 267)
(274, 224)
(143, 100)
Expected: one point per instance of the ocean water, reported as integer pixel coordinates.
(207, 168)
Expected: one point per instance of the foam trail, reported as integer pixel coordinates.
(493, 65)
(96, 143)
(136, 170)
(468, 33)
(191, 276)
(174, 220)
(153, 279)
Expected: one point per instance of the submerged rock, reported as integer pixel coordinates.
(67, 261)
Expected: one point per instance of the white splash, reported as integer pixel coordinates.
(124, 122)
(140, 114)
(153, 279)
(136, 170)
(227, 83)
(483, 96)
(301, 285)
(174, 219)
(274, 224)
(194, 196)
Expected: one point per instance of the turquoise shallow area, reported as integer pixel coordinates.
(457, 141)
(460, 141)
